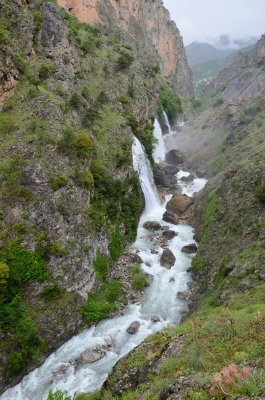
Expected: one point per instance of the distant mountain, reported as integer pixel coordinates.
(198, 53)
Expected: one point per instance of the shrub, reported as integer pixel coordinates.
(91, 115)
(4, 275)
(90, 396)
(38, 18)
(218, 102)
(124, 61)
(20, 63)
(113, 291)
(171, 103)
(139, 281)
(58, 182)
(68, 141)
(101, 267)
(124, 100)
(196, 103)
(75, 101)
(95, 310)
(98, 169)
(12, 175)
(51, 292)
(131, 91)
(58, 395)
(84, 141)
(45, 70)
(260, 192)
(102, 98)
(86, 92)
(15, 363)
(115, 246)
(84, 178)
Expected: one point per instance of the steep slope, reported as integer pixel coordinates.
(244, 77)
(198, 53)
(148, 24)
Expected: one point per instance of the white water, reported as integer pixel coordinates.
(160, 150)
(161, 300)
(189, 188)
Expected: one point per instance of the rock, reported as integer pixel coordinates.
(161, 194)
(175, 157)
(190, 248)
(164, 228)
(169, 234)
(92, 355)
(155, 319)
(149, 279)
(172, 279)
(170, 217)
(152, 226)
(231, 111)
(179, 203)
(135, 258)
(170, 170)
(201, 173)
(189, 269)
(189, 178)
(183, 295)
(154, 251)
(167, 259)
(148, 264)
(77, 394)
(133, 328)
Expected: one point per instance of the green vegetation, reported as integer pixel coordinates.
(101, 267)
(171, 103)
(58, 395)
(218, 102)
(58, 182)
(45, 70)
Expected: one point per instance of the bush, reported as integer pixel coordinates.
(124, 61)
(84, 142)
(124, 100)
(91, 115)
(15, 363)
(115, 246)
(12, 175)
(51, 292)
(45, 70)
(58, 395)
(196, 103)
(75, 101)
(58, 182)
(20, 64)
(68, 142)
(98, 169)
(101, 267)
(102, 98)
(260, 192)
(171, 103)
(86, 92)
(4, 275)
(84, 178)
(218, 102)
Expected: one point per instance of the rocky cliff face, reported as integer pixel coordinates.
(149, 24)
(244, 77)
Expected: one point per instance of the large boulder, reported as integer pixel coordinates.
(92, 355)
(190, 248)
(171, 218)
(188, 178)
(133, 328)
(179, 203)
(152, 226)
(175, 157)
(169, 234)
(167, 259)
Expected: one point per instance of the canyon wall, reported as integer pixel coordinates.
(148, 24)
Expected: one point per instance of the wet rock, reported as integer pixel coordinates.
(148, 264)
(189, 269)
(183, 295)
(171, 218)
(164, 228)
(167, 259)
(189, 178)
(201, 173)
(190, 248)
(135, 258)
(149, 279)
(152, 226)
(169, 234)
(171, 170)
(92, 355)
(175, 157)
(172, 279)
(179, 203)
(155, 319)
(133, 328)
(154, 251)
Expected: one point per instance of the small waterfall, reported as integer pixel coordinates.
(142, 166)
(167, 122)
(159, 152)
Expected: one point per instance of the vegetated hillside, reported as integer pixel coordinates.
(244, 77)
(198, 53)
(147, 24)
(218, 352)
(71, 97)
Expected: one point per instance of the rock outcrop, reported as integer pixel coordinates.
(148, 24)
(179, 203)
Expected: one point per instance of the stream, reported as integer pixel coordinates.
(59, 371)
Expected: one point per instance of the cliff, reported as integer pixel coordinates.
(244, 77)
(148, 24)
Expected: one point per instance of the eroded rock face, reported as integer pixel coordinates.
(179, 203)
(167, 259)
(139, 20)
(152, 226)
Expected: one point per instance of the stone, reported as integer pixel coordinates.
(183, 295)
(201, 173)
(169, 234)
(148, 264)
(92, 355)
(155, 319)
(190, 248)
(189, 178)
(167, 259)
(179, 203)
(171, 218)
(164, 228)
(231, 111)
(154, 251)
(133, 328)
(152, 226)
(135, 258)
(175, 157)
(172, 279)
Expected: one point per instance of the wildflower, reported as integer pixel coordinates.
(245, 372)
(233, 369)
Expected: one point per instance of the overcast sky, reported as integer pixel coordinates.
(203, 19)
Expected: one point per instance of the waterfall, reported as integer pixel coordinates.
(142, 166)
(159, 152)
(167, 121)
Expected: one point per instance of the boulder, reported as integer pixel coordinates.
(148, 264)
(190, 248)
(167, 259)
(133, 328)
(183, 295)
(179, 203)
(135, 258)
(155, 318)
(189, 178)
(152, 226)
(172, 279)
(92, 355)
(175, 157)
(171, 218)
(169, 234)
(170, 170)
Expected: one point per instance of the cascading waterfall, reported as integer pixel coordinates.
(160, 150)
(167, 121)
(60, 371)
